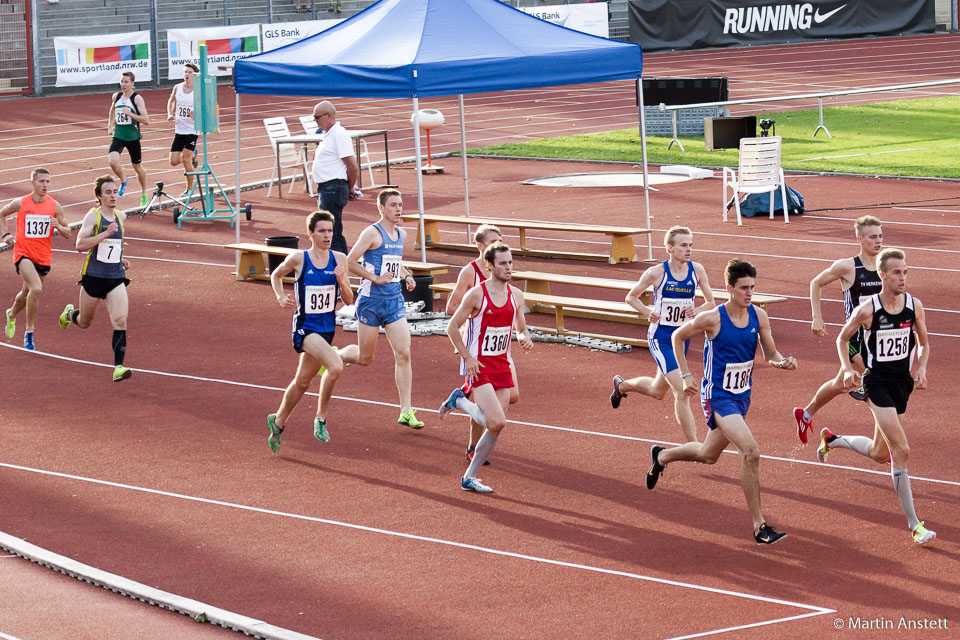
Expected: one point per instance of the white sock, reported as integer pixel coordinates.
(485, 445)
(471, 410)
(860, 444)
(901, 482)
(807, 416)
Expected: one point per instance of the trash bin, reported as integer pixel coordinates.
(421, 292)
(291, 242)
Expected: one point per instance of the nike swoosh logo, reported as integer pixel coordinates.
(818, 17)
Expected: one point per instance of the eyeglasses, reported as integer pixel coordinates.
(320, 115)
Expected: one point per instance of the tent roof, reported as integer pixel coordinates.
(416, 48)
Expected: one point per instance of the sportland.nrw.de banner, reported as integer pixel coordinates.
(589, 18)
(695, 24)
(280, 34)
(83, 60)
(224, 44)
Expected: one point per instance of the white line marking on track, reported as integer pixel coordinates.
(887, 222)
(751, 626)
(6, 636)
(380, 403)
(410, 536)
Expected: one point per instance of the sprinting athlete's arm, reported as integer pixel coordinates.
(705, 323)
(860, 317)
(61, 224)
(923, 352)
(8, 210)
(369, 239)
(143, 117)
(650, 276)
(343, 277)
(769, 348)
(464, 282)
(291, 264)
(842, 270)
(523, 334)
(704, 284)
(85, 238)
(172, 105)
(470, 306)
(111, 114)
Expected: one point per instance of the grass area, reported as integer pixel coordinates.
(905, 138)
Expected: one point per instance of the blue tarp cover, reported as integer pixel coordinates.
(416, 48)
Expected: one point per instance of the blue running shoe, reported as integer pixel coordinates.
(28, 341)
(450, 403)
(123, 187)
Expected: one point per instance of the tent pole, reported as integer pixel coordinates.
(416, 147)
(463, 155)
(646, 176)
(236, 195)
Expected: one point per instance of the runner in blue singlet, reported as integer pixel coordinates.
(321, 278)
(732, 332)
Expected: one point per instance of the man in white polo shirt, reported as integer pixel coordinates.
(335, 170)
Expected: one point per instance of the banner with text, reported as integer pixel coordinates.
(281, 34)
(83, 60)
(589, 18)
(224, 44)
(695, 24)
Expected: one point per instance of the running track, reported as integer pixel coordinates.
(369, 537)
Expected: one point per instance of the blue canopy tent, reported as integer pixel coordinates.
(417, 48)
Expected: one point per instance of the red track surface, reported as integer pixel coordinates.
(369, 535)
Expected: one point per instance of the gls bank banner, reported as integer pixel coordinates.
(695, 24)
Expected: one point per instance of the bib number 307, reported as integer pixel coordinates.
(736, 377)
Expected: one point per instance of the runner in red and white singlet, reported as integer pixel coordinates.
(490, 312)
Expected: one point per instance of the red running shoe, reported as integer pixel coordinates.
(802, 425)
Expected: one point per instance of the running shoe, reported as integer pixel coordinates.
(768, 535)
(654, 474)
(323, 367)
(803, 425)
(474, 484)
(471, 450)
(859, 394)
(275, 433)
(143, 200)
(616, 396)
(825, 436)
(123, 187)
(450, 403)
(65, 316)
(409, 419)
(922, 535)
(11, 327)
(320, 430)
(120, 372)
(185, 193)
(28, 341)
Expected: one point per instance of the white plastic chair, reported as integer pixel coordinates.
(759, 172)
(287, 155)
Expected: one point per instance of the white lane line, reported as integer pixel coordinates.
(419, 538)
(380, 403)
(907, 223)
(751, 626)
(6, 636)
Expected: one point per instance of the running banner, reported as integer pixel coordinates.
(281, 34)
(224, 44)
(84, 60)
(589, 18)
(695, 24)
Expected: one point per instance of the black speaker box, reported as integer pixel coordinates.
(683, 90)
(725, 133)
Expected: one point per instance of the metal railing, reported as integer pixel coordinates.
(674, 108)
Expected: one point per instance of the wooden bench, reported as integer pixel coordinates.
(558, 305)
(540, 281)
(539, 299)
(621, 238)
(252, 266)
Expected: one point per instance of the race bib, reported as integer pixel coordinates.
(35, 226)
(184, 111)
(320, 298)
(893, 344)
(495, 341)
(671, 311)
(122, 117)
(109, 250)
(736, 377)
(391, 265)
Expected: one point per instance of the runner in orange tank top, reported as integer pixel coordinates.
(37, 216)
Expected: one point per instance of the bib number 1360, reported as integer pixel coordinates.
(495, 341)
